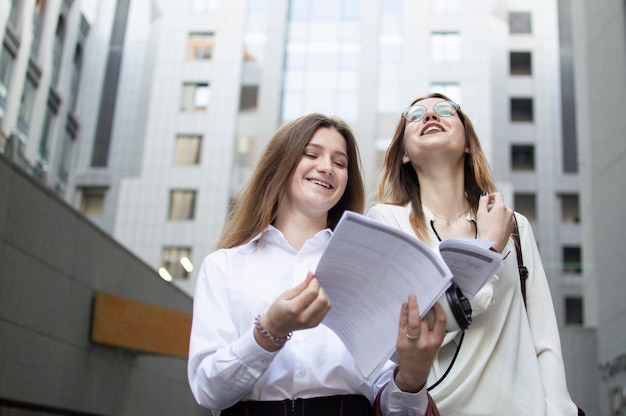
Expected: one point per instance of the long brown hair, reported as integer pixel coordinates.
(257, 204)
(399, 184)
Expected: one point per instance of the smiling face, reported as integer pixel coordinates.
(433, 133)
(320, 177)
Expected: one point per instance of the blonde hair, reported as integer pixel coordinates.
(257, 204)
(399, 184)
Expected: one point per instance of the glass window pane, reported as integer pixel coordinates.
(323, 61)
(348, 105)
(182, 205)
(445, 5)
(391, 6)
(445, 47)
(349, 58)
(254, 47)
(299, 10)
(187, 149)
(527, 205)
(449, 89)
(326, 10)
(92, 201)
(249, 97)
(201, 98)
(574, 311)
(570, 209)
(26, 106)
(352, 9)
(293, 105)
(388, 98)
(520, 23)
(521, 109)
(66, 159)
(523, 157)
(520, 63)
(298, 31)
(572, 260)
(200, 46)
(177, 261)
(6, 69)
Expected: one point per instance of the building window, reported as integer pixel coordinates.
(519, 23)
(520, 63)
(15, 16)
(44, 143)
(195, 97)
(182, 204)
(526, 205)
(389, 68)
(92, 201)
(243, 161)
(572, 260)
(574, 311)
(77, 66)
(203, 6)
(37, 26)
(326, 82)
(26, 108)
(451, 90)
(57, 52)
(445, 46)
(200, 46)
(176, 263)
(65, 163)
(446, 5)
(254, 47)
(523, 157)
(326, 10)
(187, 149)
(249, 97)
(521, 109)
(6, 68)
(570, 209)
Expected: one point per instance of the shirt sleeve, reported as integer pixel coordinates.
(394, 401)
(544, 327)
(223, 365)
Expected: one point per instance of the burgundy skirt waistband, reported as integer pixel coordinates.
(341, 405)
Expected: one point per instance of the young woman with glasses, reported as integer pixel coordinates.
(436, 185)
(257, 344)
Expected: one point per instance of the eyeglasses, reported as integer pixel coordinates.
(442, 108)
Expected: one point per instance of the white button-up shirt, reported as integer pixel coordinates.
(227, 365)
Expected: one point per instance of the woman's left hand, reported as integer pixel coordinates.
(494, 220)
(417, 344)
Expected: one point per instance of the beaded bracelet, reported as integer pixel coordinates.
(278, 341)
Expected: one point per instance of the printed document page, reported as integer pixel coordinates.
(368, 270)
(471, 262)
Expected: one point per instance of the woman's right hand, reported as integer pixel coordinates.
(301, 307)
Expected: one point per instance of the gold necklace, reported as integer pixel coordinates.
(453, 220)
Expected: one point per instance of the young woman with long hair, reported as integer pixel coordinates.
(436, 184)
(257, 344)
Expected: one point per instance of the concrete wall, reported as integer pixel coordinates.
(580, 348)
(52, 261)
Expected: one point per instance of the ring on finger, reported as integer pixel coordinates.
(412, 337)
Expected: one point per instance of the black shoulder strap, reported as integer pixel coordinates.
(523, 271)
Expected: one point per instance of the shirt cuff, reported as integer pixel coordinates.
(396, 401)
(251, 354)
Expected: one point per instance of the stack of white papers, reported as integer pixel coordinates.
(370, 268)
